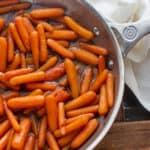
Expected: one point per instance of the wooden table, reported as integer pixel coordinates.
(131, 131)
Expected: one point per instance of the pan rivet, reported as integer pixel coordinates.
(110, 64)
(96, 31)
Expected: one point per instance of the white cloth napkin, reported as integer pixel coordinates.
(137, 63)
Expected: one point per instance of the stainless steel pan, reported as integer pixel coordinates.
(129, 35)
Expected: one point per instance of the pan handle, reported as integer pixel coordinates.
(131, 33)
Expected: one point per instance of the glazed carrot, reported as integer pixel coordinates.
(34, 124)
(17, 72)
(35, 47)
(101, 78)
(80, 101)
(16, 37)
(55, 73)
(15, 63)
(10, 139)
(43, 44)
(70, 120)
(42, 86)
(84, 134)
(8, 2)
(64, 43)
(3, 54)
(86, 80)
(103, 103)
(74, 126)
(63, 141)
(1, 106)
(48, 64)
(42, 133)
(23, 60)
(22, 31)
(2, 23)
(101, 63)
(4, 140)
(85, 110)
(29, 145)
(12, 118)
(29, 60)
(48, 27)
(41, 112)
(20, 138)
(4, 127)
(26, 102)
(52, 143)
(78, 28)
(62, 35)
(10, 94)
(47, 13)
(110, 89)
(72, 77)
(30, 77)
(60, 49)
(36, 92)
(52, 112)
(94, 49)
(10, 46)
(85, 56)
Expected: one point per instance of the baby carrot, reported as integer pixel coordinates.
(72, 77)
(81, 101)
(62, 35)
(3, 54)
(43, 44)
(34, 124)
(84, 134)
(86, 80)
(29, 60)
(26, 102)
(41, 112)
(36, 92)
(1, 106)
(10, 140)
(101, 78)
(60, 49)
(2, 23)
(35, 47)
(110, 89)
(47, 13)
(48, 27)
(48, 64)
(30, 77)
(16, 37)
(52, 143)
(55, 73)
(29, 145)
(20, 138)
(96, 101)
(84, 110)
(23, 60)
(42, 86)
(101, 63)
(8, 2)
(10, 94)
(52, 112)
(85, 56)
(42, 133)
(78, 28)
(94, 49)
(4, 127)
(64, 43)
(22, 31)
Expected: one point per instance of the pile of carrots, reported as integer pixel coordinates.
(54, 81)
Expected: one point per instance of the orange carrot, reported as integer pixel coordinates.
(8, 2)
(30, 77)
(26, 102)
(41, 112)
(47, 13)
(29, 60)
(84, 110)
(52, 143)
(4, 127)
(60, 49)
(67, 147)
(16, 37)
(101, 63)
(34, 124)
(85, 56)
(20, 138)
(101, 78)
(72, 77)
(1, 106)
(86, 80)
(96, 101)
(84, 134)
(78, 28)
(29, 145)
(48, 64)
(34, 40)
(10, 94)
(12, 118)
(110, 89)
(63, 82)
(64, 43)
(3, 54)
(22, 31)
(23, 60)
(94, 49)
(10, 139)
(52, 112)
(2, 23)
(48, 27)
(62, 35)
(42, 133)
(43, 44)
(59, 27)
(36, 92)
(81, 101)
